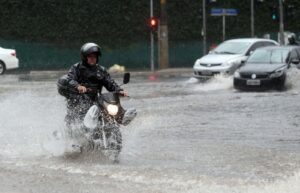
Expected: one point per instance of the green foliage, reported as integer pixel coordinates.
(119, 25)
(111, 22)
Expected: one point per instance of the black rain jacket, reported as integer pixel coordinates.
(93, 77)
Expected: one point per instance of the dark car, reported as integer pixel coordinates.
(266, 68)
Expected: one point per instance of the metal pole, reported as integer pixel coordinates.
(252, 18)
(224, 25)
(281, 25)
(164, 37)
(151, 40)
(152, 51)
(204, 25)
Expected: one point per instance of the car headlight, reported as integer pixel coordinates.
(237, 74)
(277, 73)
(197, 63)
(230, 62)
(112, 109)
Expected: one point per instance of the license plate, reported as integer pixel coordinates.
(253, 82)
(206, 72)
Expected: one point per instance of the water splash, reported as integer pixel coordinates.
(293, 79)
(28, 121)
(218, 82)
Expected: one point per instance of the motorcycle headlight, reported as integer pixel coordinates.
(277, 73)
(112, 109)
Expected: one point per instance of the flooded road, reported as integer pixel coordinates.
(189, 136)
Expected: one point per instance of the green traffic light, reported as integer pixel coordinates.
(274, 17)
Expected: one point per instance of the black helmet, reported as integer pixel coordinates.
(89, 48)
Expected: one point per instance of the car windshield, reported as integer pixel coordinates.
(269, 56)
(232, 48)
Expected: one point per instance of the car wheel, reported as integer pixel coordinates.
(2, 68)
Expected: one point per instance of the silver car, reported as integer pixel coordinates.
(228, 56)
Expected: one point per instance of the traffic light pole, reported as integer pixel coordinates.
(204, 25)
(281, 25)
(151, 40)
(224, 25)
(252, 18)
(152, 51)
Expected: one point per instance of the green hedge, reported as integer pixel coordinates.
(117, 23)
(49, 33)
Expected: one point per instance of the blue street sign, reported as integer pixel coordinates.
(221, 12)
(216, 12)
(231, 12)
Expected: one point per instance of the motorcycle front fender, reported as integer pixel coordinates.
(91, 118)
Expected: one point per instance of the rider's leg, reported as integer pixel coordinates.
(126, 116)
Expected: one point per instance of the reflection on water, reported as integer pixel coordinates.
(188, 136)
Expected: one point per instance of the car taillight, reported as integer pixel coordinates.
(13, 54)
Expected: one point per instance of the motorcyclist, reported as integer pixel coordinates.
(86, 77)
(292, 40)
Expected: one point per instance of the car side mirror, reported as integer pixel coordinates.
(295, 61)
(243, 62)
(126, 78)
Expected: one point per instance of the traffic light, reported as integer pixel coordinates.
(153, 23)
(274, 13)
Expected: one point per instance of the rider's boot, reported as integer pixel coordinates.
(128, 116)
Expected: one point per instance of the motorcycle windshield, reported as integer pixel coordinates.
(111, 98)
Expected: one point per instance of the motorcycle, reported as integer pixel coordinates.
(100, 130)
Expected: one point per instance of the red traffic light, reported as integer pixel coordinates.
(153, 23)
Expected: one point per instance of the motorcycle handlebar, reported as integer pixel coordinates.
(90, 90)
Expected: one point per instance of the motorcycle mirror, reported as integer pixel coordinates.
(126, 78)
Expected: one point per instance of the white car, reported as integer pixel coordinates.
(228, 56)
(8, 60)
